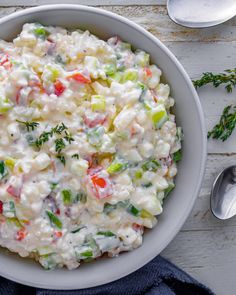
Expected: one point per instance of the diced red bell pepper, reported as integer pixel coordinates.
(21, 234)
(148, 72)
(59, 87)
(5, 62)
(14, 191)
(99, 119)
(58, 234)
(100, 184)
(80, 78)
(1, 207)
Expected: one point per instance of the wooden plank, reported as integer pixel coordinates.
(81, 2)
(156, 21)
(206, 246)
(214, 57)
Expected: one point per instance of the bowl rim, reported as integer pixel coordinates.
(175, 229)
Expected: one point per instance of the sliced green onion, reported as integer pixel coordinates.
(106, 233)
(133, 210)
(108, 208)
(146, 185)
(54, 220)
(151, 165)
(41, 33)
(177, 156)
(81, 197)
(3, 170)
(67, 197)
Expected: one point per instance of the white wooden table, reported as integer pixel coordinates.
(205, 247)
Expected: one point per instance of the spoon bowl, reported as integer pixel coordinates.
(223, 194)
(201, 13)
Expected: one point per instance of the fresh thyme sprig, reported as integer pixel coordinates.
(226, 125)
(61, 158)
(46, 135)
(228, 77)
(59, 145)
(29, 125)
(68, 137)
(75, 156)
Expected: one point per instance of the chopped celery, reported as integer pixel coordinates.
(54, 73)
(48, 261)
(54, 220)
(81, 197)
(133, 210)
(95, 136)
(117, 166)
(151, 165)
(10, 163)
(143, 92)
(106, 233)
(130, 75)
(169, 189)
(110, 69)
(142, 58)
(67, 197)
(3, 169)
(145, 214)
(159, 116)
(98, 103)
(41, 32)
(5, 105)
(138, 174)
(116, 77)
(177, 156)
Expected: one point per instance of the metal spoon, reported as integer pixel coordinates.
(223, 194)
(201, 13)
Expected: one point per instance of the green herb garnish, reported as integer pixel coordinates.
(62, 159)
(228, 78)
(75, 156)
(59, 145)
(68, 137)
(226, 125)
(29, 125)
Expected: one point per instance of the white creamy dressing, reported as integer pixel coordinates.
(88, 145)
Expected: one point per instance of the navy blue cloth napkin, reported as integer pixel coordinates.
(158, 277)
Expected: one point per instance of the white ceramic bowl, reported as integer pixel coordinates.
(189, 115)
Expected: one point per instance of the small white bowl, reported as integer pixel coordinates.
(189, 115)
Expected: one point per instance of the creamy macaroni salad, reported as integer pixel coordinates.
(88, 145)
